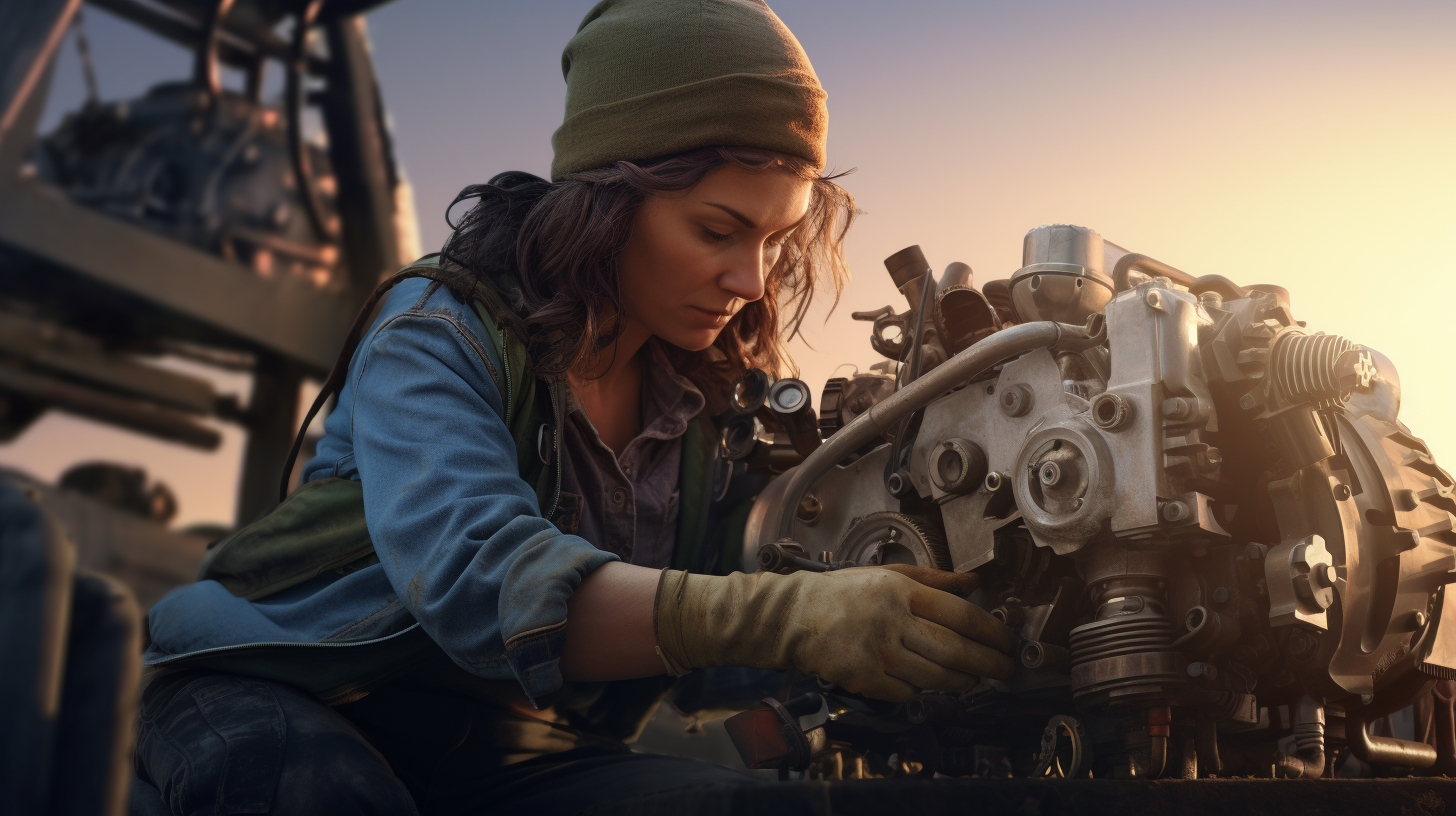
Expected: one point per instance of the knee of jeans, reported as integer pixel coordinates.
(327, 774)
(328, 766)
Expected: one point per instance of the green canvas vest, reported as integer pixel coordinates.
(320, 527)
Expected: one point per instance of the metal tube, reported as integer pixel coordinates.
(1218, 284)
(293, 94)
(1143, 263)
(1385, 750)
(955, 371)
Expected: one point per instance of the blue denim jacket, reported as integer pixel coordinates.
(453, 524)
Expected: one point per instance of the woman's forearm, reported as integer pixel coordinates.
(609, 625)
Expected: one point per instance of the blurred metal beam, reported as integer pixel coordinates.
(142, 417)
(361, 155)
(46, 346)
(272, 420)
(287, 316)
(240, 48)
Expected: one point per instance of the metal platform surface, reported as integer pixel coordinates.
(1053, 797)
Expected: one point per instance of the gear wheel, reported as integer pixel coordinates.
(887, 537)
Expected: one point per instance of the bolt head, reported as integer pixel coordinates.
(1221, 595)
(1247, 402)
(896, 484)
(1175, 511)
(1205, 670)
(1355, 370)
(1176, 408)
(1015, 400)
(1049, 474)
(809, 508)
(1342, 492)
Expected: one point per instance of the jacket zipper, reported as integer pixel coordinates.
(557, 418)
(506, 366)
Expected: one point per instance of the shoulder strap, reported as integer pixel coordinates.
(463, 284)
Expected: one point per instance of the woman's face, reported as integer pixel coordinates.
(695, 258)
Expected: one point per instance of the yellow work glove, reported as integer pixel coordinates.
(870, 630)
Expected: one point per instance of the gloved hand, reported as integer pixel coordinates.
(871, 630)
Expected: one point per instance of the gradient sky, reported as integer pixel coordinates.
(1298, 143)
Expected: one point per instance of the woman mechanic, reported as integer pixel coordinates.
(491, 651)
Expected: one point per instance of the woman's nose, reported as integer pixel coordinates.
(745, 277)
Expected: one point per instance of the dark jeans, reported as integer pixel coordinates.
(220, 743)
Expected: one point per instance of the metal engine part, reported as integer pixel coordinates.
(1203, 518)
(218, 174)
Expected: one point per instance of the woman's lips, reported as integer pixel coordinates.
(711, 317)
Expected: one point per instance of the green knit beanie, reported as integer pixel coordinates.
(645, 78)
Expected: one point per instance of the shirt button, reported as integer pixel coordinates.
(619, 496)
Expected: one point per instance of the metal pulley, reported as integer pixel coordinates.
(895, 538)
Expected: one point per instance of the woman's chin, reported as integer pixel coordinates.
(692, 340)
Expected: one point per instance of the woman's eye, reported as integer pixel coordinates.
(715, 237)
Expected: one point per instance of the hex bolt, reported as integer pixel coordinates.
(1205, 670)
(1016, 400)
(1175, 511)
(1254, 551)
(1248, 402)
(1326, 576)
(1177, 408)
(809, 509)
(1342, 492)
(1221, 595)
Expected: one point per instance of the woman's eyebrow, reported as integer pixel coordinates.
(743, 219)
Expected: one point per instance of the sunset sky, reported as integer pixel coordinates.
(1307, 144)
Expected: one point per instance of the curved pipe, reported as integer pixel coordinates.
(1385, 750)
(955, 371)
(294, 94)
(206, 70)
(1218, 284)
(1143, 263)
(1308, 759)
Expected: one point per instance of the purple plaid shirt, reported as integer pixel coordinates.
(628, 505)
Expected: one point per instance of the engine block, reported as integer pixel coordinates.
(1222, 551)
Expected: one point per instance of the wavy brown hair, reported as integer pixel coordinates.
(560, 242)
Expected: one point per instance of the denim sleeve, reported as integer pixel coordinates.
(458, 532)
